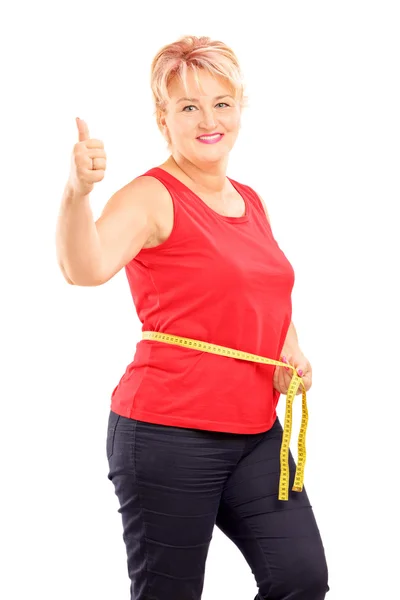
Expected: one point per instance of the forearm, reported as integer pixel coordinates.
(291, 343)
(77, 240)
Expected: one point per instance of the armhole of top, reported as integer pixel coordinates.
(259, 205)
(175, 210)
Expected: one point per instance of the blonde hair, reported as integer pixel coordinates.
(191, 52)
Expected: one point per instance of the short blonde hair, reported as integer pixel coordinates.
(191, 52)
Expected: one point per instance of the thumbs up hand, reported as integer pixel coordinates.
(88, 162)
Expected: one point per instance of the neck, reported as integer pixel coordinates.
(209, 179)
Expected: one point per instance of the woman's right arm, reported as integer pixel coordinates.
(90, 253)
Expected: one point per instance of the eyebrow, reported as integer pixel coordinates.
(197, 100)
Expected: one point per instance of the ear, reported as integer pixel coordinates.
(162, 125)
(162, 117)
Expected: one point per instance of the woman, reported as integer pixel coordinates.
(193, 437)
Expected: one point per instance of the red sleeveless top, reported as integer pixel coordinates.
(217, 279)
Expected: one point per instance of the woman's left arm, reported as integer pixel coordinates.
(293, 355)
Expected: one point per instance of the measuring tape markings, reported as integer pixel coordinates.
(295, 383)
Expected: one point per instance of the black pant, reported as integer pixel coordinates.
(173, 484)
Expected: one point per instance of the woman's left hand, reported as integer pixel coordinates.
(283, 375)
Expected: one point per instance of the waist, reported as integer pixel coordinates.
(296, 383)
(204, 346)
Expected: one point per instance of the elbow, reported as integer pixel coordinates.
(64, 274)
(84, 281)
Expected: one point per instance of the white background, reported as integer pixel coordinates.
(320, 143)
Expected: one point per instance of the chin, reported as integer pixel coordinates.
(215, 158)
(212, 150)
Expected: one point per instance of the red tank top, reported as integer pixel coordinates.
(217, 279)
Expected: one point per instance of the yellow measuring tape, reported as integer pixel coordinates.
(295, 383)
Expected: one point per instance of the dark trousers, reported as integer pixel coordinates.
(174, 484)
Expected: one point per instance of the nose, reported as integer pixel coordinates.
(208, 120)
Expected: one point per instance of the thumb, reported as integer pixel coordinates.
(83, 130)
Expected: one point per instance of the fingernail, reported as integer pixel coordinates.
(300, 372)
(284, 359)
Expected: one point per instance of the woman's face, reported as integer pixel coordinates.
(208, 110)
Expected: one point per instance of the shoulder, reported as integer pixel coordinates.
(150, 192)
(264, 206)
(148, 186)
(257, 197)
(139, 201)
(160, 206)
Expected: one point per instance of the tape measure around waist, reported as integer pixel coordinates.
(295, 383)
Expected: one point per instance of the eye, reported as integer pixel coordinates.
(192, 106)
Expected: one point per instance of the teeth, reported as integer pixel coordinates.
(209, 137)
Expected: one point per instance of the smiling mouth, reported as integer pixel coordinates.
(210, 139)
